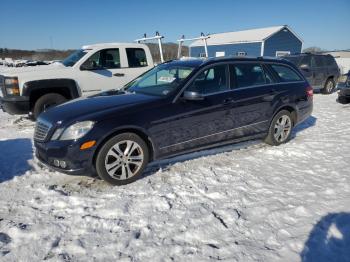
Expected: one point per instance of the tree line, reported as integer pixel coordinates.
(169, 52)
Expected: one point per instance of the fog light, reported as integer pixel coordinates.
(56, 162)
(63, 164)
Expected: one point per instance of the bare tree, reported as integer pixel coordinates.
(313, 49)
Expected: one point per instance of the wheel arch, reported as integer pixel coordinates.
(127, 129)
(35, 89)
(291, 109)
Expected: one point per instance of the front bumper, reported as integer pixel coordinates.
(343, 91)
(78, 162)
(16, 105)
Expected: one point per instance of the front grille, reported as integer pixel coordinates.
(42, 129)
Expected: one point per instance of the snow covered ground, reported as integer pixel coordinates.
(245, 202)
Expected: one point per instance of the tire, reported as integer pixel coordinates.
(343, 100)
(114, 166)
(329, 86)
(278, 135)
(47, 101)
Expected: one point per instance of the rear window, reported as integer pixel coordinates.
(285, 73)
(250, 75)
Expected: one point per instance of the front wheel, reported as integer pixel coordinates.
(280, 129)
(122, 159)
(47, 101)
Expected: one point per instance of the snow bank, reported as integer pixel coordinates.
(245, 202)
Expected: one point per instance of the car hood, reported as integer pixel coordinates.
(80, 108)
(15, 71)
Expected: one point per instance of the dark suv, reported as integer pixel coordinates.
(321, 71)
(177, 107)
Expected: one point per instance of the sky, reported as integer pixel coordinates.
(68, 24)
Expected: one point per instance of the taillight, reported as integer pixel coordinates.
(309, 91)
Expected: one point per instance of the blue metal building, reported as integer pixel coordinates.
(270, 41)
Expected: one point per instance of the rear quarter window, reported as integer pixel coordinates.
(285, 73)
(329, 61)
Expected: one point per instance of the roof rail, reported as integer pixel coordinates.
(183, 39)
(157, 37)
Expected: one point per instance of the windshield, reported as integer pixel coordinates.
(74, 57)
(161, 80)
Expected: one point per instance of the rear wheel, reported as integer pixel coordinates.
(280, 129)
(47, 101)
(122, 159)
(329, 86)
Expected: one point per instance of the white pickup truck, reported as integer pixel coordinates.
(87, 71)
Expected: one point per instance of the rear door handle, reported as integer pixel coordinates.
(119, 74)
(228, 101)
(270, 96)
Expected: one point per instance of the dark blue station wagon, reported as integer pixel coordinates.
(177, 107)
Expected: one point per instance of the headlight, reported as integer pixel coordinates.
(11, 85)
(74, 131)
(343, 78)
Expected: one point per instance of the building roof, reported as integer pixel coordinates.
(246, 36)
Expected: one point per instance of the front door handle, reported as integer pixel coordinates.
(119, 74)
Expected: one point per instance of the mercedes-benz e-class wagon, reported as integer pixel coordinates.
(177, 107)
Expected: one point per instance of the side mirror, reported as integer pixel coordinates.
(193, 96)
(304, 67)
(88, 66)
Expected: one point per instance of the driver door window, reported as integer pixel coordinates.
(104, 59)
(210, 81)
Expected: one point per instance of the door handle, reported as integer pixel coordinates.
(228, 101)
(119, 74)
(273, 91)
(270, 96)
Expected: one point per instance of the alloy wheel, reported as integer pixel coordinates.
(282, 128)
(124, 159)
(330, 86)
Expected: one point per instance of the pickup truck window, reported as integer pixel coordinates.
(136, 57)
(74, 57)
(161, 80)
(105, 59)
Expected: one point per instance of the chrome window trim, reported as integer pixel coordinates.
(302, 79)
(190, 140)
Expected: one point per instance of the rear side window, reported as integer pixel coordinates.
(285, 73)
(317, 61)
(136, 57)
(250, 75)
(306, 60)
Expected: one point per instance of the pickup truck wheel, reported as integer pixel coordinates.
(280, 129)
(329, 86)
(122, 159)
(47, 101)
